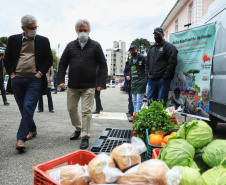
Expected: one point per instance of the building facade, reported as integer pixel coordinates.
(185, 14)
(116, 59)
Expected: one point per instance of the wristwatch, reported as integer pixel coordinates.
(40, 73)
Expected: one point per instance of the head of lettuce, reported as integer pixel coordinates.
(197, 133)
(177, 152)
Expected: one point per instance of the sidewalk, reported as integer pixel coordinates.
(54, 130)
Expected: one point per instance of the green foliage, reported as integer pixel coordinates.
(56, 60)
(142, 43)
(193, 71)
(3, 41)
(153, 118)
(197, 88)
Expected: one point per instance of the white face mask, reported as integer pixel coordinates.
(32, 33)
(83, 36)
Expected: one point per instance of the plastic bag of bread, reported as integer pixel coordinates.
(128, 155)
(153, 172)
(70, 175)
(102, 169)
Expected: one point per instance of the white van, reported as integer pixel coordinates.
(217, 13)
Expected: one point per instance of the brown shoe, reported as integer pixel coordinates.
(20, 145)
(31, 135)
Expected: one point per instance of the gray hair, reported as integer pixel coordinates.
(81, 22)
(28, 19)
(204, 88)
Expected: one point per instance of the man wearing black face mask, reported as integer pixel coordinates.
(139, 81)
(160, 67)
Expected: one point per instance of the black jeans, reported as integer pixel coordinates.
(130, 106)
(55, 83)
(3, 90)
(50, 101)
(98, 101)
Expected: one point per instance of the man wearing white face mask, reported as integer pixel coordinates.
(83, 55)
(27, 59)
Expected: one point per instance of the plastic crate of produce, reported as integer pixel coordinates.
(81, 157)
(109, 139)
(150, 147)
(155, 153)
(132, 125)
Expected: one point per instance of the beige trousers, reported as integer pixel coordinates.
(87, 100)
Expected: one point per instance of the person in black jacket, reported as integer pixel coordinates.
(2, 88)
(83, 55)
(97, 93)
(28, 57)
(55, 81)
(160, 67)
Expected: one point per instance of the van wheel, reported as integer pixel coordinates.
(213, 122)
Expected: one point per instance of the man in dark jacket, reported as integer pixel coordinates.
(83, 55)
(27, 59)
(97, 93)
(160, 67)
(55, 81)
(2, 88)
(127, 75)
(138, 81)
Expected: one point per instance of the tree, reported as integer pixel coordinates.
(56, 60)
(142, 44)
(3, 41)
(193, 71)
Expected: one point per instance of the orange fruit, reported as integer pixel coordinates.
(165, 139)
(173, 134)
(150, 135)
(163, 144)
(156, 140)
(159, 133)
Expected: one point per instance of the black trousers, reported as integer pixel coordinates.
(3, 90)
(98, 101)
(55, 83)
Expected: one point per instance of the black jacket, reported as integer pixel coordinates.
(1, 70)
(82, 65)
(161, 61)
(43, 56)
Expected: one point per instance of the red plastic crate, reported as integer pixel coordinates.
(155, 153)
(81, 157)
(133, 123)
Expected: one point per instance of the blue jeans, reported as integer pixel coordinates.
(137, 101)
(158, 89)
(26, 92)
(50, 102)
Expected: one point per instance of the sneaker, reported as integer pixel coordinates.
(6, 103)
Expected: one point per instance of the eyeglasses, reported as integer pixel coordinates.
(31, 28)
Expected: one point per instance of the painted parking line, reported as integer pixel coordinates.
(110, 115)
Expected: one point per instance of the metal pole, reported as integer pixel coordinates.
(58, 56)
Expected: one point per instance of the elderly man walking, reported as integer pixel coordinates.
(83, 55)
(27, 59)
(160, 67)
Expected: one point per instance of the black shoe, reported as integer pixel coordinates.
(6, 103)
(96, 112)
(84, 143)
(75, 135)
(101, 109)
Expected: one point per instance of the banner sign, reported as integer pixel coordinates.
(195, 50)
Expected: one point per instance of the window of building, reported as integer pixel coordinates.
(176, 25)
(191, 13)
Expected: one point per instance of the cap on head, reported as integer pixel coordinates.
(133, 47)
(158, 30)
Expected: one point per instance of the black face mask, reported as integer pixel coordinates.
(134, 54)
(158, 39)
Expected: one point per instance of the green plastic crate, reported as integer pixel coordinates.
(149, 147)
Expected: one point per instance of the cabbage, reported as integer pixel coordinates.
(199, 162)
(190, 176)
(177, 152)
(197, 133)
(215, 176)
(214, 154)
